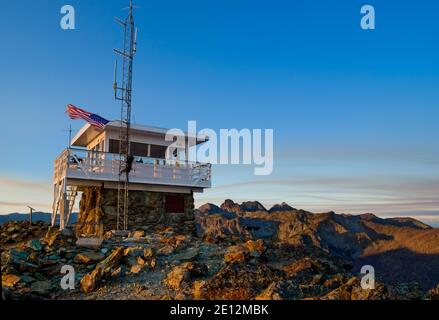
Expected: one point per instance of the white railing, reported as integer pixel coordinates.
(96, 165)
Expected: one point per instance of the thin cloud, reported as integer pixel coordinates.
(395, 184)
(27, 184)
(378, 194)
(413, 154)
(23, 204)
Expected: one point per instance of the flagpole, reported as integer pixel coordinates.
(70, 136)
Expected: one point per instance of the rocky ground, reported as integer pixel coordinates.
(239, 252)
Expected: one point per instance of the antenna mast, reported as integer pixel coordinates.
(123, 94)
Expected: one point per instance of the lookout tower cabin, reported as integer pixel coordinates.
(161, 185)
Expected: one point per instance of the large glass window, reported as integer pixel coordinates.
(114, 146)
(139, 149)
(158, 151)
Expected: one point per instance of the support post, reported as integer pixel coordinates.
(31, 210)
(63, 212)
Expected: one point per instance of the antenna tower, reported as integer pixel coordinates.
(123, 94)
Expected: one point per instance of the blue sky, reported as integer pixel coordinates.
(354, 112)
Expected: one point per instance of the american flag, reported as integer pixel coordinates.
(93, 119)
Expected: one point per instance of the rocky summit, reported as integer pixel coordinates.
(237, 251)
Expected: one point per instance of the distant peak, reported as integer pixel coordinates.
(252, 206)
(281, 207)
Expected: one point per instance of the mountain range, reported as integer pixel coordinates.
(400, 249)
(36, 216)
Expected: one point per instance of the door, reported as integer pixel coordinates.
(174, 203)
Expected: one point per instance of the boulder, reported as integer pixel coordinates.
(88, 257)
(10, 280)
(177, 277)
(188, 255)
(41, 287)
(131, 253)
(243, 252)
(301, 268)
(56, 237)
(27, 279)
(270, 293)
(282, 290)
(182, 274)
(238, 282)
(351, 290)
(198, 289)
(68, 233)
(152, 263)
(35, 245)
(91, 280)
(236, 254)
(255, 248)
(15, 257)
(148, 253)
(138, 234)
(433, 293)
(137, 268)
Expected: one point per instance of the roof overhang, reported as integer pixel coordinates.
(85, 135)
(88, 133)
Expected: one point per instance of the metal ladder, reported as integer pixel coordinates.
(65, 197)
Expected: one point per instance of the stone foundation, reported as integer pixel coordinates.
(98, 211)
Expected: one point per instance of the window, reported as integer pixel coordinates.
(114, 146)
(158, 151)
(139, 149)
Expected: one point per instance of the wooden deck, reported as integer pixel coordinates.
(78, 168)
(84, 165)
